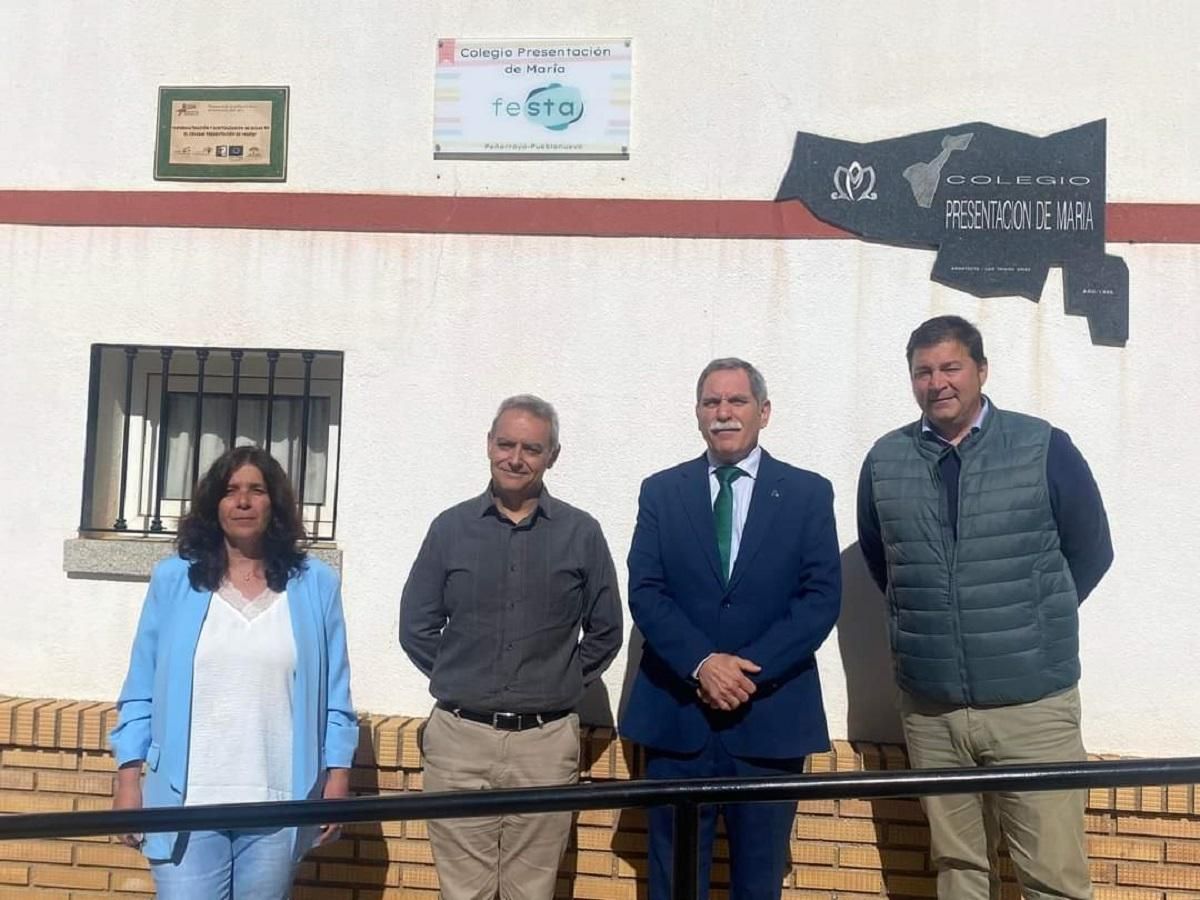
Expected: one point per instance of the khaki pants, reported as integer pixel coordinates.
(516, 856)
(1044, 829)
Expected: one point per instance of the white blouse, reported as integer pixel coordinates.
(240, 750)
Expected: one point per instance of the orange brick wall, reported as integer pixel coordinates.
(1144, 842)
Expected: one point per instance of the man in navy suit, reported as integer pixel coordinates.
(734, 582)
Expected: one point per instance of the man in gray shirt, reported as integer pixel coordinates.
(511, 609)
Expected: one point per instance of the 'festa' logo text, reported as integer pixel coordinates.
(554, 106)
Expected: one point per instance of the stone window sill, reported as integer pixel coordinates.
(133, 558)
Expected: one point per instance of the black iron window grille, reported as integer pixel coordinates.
(147, 447)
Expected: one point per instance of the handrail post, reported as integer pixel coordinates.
(685, 866)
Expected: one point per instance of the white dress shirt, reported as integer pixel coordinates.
(743, 488)
(926, 428)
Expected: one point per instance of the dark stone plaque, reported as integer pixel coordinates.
(1000, 206)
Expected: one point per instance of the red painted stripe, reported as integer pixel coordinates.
(1154, 223)
(758, 219)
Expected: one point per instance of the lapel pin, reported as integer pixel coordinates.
(775, 493)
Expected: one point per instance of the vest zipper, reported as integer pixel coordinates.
(951, 536)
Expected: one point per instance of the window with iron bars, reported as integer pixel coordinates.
(147, 447)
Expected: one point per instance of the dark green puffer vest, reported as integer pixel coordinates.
(992, 618)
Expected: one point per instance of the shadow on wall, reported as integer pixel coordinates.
(862, 634)
(633, 661)
(595, 707)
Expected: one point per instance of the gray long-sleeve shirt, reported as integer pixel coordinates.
(493, 611)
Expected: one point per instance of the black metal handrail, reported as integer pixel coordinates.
(685, 796)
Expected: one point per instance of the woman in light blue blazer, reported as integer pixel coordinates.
(238, 686)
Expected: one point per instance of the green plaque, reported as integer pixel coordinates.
(221, 134)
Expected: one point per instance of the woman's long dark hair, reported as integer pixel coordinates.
(202, 542)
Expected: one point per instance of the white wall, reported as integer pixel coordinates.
(719, 88)
(436, 329)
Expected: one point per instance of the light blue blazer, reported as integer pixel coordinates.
(155, 706)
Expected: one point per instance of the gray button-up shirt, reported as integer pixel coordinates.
(492, 611)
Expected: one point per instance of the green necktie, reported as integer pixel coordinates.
(723, 513)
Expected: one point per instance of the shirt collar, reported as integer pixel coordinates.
(485, 504)
(927, 429)
(748, 463)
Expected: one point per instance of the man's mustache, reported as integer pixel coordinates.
(724, 426)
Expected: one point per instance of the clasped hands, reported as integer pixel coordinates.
(724, 681)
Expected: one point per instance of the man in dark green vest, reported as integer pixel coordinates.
(985, 529)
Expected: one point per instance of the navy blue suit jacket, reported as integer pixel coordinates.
(781, 602)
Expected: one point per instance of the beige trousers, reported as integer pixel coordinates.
(515, 856)
(1044, 830)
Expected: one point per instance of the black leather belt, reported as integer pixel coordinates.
(505, 721)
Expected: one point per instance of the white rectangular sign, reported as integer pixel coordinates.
(532, 99)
